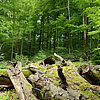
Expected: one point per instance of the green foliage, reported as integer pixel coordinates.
(22, 58)
(38, 28)
(39, 56)
(8, 95)
(42, 54)
(96, 56)
(1, 56)
(3, 65)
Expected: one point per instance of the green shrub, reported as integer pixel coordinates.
(22, 58)
(42, 55)
(96, 56)
(39, 56)
(1, 57)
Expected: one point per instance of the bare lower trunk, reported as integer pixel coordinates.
(21, 47)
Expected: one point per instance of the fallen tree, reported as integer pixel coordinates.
(5, 80)
(89, 75)
(84, 71)
(70, 84)
(44, 88)
(21, 85)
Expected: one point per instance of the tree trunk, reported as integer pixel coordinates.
(90, 47)
(65, 34)
(85, 36)
(40, 39)
(42, 24)
(48, 33)
(22, 86)
(1, 46)
(29, 43)
(22, 45)
(54, 41)
(89, 75)
(69, 34)
(12, 50)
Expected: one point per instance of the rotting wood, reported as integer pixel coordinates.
(89, 75)
(21, 85)
(58, 57)
(48, 60)
(44, 89)
(63, 82)
(5, 81)
(63, 62)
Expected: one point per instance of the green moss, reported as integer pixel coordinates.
(28, 84)
(49, 76)
(39, 67)
(57, 83)
(3, 72)
(97, 73)
(24, 68)
(26, 73)
(74, 80)
(42, 92)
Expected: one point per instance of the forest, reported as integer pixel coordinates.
(39, 32)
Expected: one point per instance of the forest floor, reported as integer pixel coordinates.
(88, 91)
(8, 95)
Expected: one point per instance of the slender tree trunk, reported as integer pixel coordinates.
(47, 39)
(65, 8)
(40, 39)
(50, 38)
(85, 36)
(21, 53)
(34, 42)
(54, 38)
(65, 35)
(17, 41)
(48, 33)
(42, 24)
(12, 50)
(30, 38)
(90, 47)
(69, 35)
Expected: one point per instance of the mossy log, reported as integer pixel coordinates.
(44, 88)
(5, 80)
(21, 85)
(89, 75)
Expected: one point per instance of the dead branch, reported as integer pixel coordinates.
(58, 57)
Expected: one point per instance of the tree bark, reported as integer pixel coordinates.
(21, 85)
(85, 36)
(5, 80)
(12, 50)
(44, 89)
(40, 39)
(69, 34)
(89, 75)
